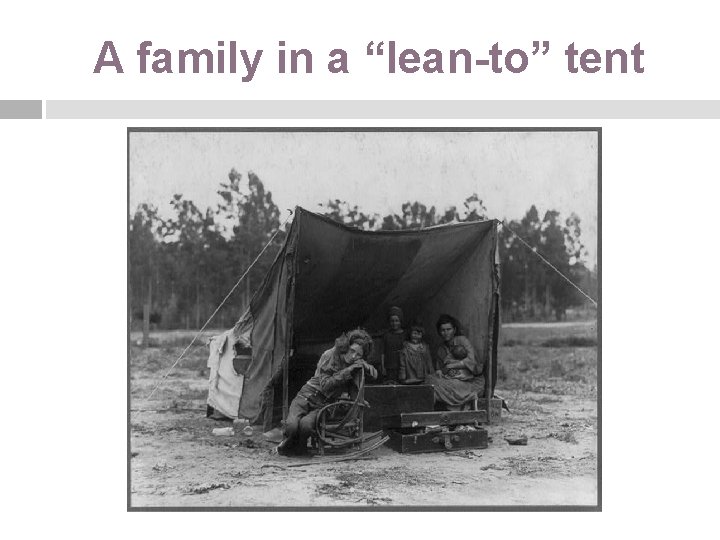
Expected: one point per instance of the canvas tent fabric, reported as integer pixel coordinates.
(328, 278)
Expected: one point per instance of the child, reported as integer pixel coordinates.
(415, 359)
(392, 344)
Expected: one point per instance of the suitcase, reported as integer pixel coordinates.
(433, 418)
(417, 443)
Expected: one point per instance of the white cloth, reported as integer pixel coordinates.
(225, 384)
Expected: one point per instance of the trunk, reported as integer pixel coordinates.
(131, 313)
(390, 400)
(197, 306)
(146, 315)
(528, 303)
(533, 297)
(548, 307)
(417, 443)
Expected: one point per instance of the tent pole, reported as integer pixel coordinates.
(493, 306)
(488, 382)
(285, 386)
(290, 315)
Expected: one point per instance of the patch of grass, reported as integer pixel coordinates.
(173, 338)
(564, 436)
(205, 488)
(195, 394)
(141, 428)
(557, 369)
(545, 370)
(155, 359)
(576, 377)
(359, 485)
(523, 466)
(570, 341)
(513, 336)
(549, 399)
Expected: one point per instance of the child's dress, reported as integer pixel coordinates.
(415, 363)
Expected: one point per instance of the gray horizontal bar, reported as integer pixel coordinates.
(20, 109)
(401, 109)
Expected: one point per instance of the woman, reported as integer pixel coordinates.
(457, 377)
(333, 376)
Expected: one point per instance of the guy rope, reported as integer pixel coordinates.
(534, 250)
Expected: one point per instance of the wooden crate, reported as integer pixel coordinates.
(391, 400)
(495, 408)
(417, 443)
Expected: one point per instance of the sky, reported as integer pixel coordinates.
(378, 171)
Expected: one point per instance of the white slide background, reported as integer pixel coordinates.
(63, 193)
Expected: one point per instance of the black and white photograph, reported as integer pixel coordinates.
(364, 318)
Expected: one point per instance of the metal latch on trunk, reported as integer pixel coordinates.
(447, 439)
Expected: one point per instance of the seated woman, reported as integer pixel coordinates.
(457, 379)
(333, 376)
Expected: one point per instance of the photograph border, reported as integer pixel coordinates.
(394, 508)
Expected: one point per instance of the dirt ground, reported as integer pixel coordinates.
(547, 375)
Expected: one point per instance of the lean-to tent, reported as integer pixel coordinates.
(329, 278)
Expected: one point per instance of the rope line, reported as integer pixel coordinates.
(548, 263)
(182, 354)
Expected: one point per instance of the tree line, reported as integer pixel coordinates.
(181, 267)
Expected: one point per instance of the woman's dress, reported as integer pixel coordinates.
(457, 386)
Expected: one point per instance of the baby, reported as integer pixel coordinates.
(457, 354)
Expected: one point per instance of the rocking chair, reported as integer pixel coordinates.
(339, 425)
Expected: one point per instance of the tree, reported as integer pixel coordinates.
(196, 253)
(558, 292)
(143, 259)
(418, 216)
(532, 267)
(474, 209)
(512, 268)
(252, 218)
(182, 267)
(530, 287)
(342, 212)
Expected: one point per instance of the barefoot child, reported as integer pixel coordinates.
(415, 359)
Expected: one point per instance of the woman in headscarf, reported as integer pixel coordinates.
(457, 378)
